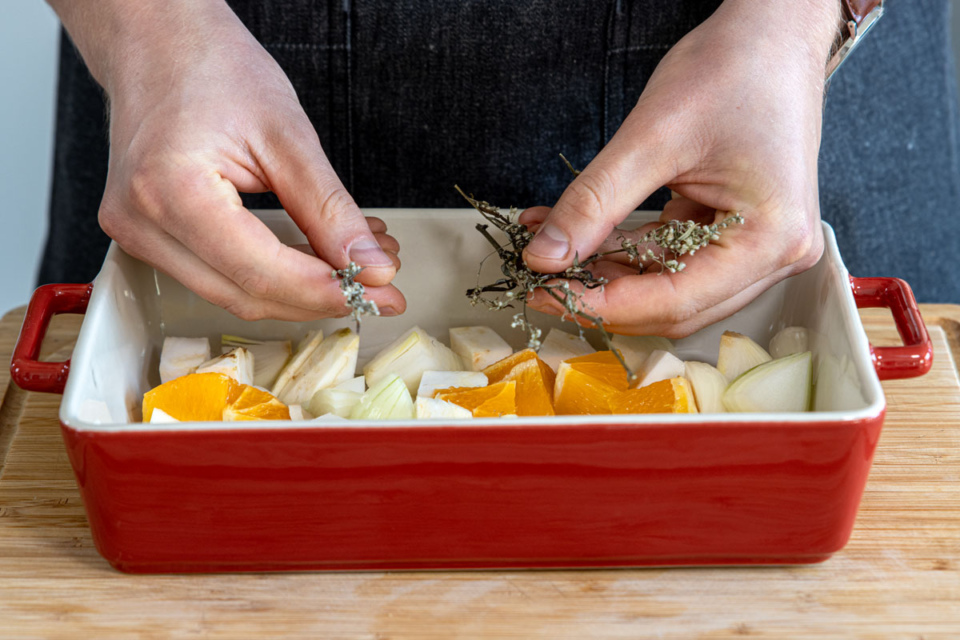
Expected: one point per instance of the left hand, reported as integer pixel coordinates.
(730, 121)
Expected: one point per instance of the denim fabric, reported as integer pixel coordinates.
(412, 97)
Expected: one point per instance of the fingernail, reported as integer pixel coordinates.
(367, 253)
(388, 311)
(550, 242)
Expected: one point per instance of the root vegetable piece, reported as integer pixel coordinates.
(309, 344)
(181, 356)
(432, 408)
(478, 347)
(738, 353)
(560, 345)
(661, 365)
(781, 385)
(159, 416)
(333, 362)
(409, 356)
(238, 364)
(636, 349)
(433, 380)
(269, 356)
(708, 386)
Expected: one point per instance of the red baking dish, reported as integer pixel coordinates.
(570, 491)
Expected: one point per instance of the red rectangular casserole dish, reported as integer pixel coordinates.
(569, 491)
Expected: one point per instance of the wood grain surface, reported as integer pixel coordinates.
(899, 577)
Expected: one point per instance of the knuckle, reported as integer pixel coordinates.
(254, 282)
(592, 191)
(244, 309)
(803, 248)
(145, 192)
(336, 203)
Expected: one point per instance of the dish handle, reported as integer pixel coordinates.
(915, 357)
(47, 301)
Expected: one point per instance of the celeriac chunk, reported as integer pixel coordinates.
(478, 347)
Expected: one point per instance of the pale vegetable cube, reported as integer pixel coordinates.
(238, 364)
(636, 349)
(661, 365)
(333, 362)
(409, 356)
(308, 345)
(478, 347)
(433, 408)
(297, 412)
(159, 416)
(269, 357)
(434, 380)
(357, 385)
(181, 356)
(560, 345)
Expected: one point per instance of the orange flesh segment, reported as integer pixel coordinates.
(492, 401)
(499, 369)
(534, 378)
(667, 396)
(197, 397)
(255, 404)
(586, 384)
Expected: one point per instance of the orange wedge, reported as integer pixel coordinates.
(535, 380)
(586, 384)
(255, 404)
(196, 397)
(492, 401)
(667, 396)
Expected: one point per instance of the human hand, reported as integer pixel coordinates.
(200, 111)
(730, 121)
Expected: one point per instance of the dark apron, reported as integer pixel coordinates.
(412, 97)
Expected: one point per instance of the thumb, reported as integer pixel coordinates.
(315, 198)
(622, 176)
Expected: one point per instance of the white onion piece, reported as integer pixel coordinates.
(738, 354)
(708, 386)
(782, 385)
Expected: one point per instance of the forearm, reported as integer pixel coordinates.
(804, 27)
(117, 38)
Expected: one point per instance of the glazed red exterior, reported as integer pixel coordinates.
(473, 497)
(591, 491)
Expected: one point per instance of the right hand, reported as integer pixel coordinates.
(200, 111)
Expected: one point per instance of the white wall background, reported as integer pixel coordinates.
(28, 54)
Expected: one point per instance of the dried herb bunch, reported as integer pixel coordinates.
(675, 239)
(353, 291)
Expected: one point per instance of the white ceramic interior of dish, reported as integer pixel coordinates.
(133, 307)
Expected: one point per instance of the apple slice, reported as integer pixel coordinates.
(738, 353)
(781, 385)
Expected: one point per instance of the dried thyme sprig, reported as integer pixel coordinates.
(353, 291)
(675, 239)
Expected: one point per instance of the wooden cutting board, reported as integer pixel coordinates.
(899, 577)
